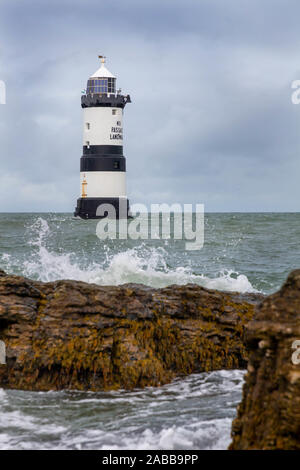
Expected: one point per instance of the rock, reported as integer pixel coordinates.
(269, 415)
(73, 335)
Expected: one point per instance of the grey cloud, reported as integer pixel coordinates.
(211, 119)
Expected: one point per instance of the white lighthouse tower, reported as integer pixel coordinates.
(102, 165)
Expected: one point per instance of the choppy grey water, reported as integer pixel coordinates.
(194, 413)
(242, 252)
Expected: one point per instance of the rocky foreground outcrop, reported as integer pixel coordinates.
(73, 335)
(269, 415)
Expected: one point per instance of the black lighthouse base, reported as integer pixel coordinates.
(100, 207)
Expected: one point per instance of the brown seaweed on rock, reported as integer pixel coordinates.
(73, 335)
(269, 415)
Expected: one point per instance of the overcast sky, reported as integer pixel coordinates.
(211, 119)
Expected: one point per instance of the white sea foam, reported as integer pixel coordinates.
(214, 434)
(191, 413)
(142, 264)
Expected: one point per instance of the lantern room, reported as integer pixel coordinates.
(102, 81)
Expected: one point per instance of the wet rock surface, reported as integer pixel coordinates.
(73, 335)
(269, 415)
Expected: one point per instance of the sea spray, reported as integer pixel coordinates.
(142, 264)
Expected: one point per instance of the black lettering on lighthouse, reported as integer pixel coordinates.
(116, 133)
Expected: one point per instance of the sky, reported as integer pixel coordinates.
(211, 119)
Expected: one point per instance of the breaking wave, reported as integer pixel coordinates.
(142, 264)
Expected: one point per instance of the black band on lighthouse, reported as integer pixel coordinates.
(87, 207)
(103, 150)
(102, 164)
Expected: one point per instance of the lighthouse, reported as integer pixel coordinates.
(102, 165)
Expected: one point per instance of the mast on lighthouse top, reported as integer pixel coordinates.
(102, 72)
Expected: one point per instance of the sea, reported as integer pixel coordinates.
(243, 252)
